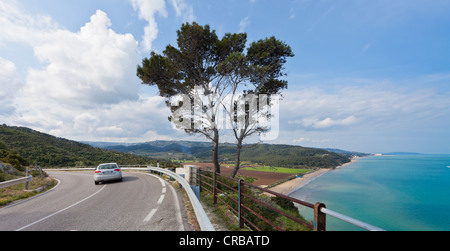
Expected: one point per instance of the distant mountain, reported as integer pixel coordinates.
(266, 154)
(161, 149)
(349, 154)
(49, 151)
(46, 150)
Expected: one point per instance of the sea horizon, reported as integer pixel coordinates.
(393, 192)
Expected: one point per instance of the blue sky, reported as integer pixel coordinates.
(368, 75)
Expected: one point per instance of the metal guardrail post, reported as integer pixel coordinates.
(26, 183)
(15, 182)
(320, 218)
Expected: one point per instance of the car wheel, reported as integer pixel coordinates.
(96, 182)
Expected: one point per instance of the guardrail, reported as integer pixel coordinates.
(247, 204)
(202, 217)
(15, 182)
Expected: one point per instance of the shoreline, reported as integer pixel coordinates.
(291, 186)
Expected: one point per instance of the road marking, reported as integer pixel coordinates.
(60, 211)
(162, 182)
(161, 199)
(177, 204)
(150, 215)
(178, 209)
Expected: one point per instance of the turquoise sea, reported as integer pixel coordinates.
(396, 193)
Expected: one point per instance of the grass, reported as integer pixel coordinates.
(18, 192)
(228, 220)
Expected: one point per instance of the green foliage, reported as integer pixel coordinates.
(288, 156)
(268, 56)
(292, 156)
(49, 151)
(216, 66)
(227, 195)
(193, 63)
(13, 158)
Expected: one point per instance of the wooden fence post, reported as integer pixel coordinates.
(199, 175)
(241, 203)
(215, 187)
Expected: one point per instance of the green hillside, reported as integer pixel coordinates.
(49, 151)
(272, 155)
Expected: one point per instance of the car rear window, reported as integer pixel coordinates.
(106, 167)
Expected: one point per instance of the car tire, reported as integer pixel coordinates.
(96, 182)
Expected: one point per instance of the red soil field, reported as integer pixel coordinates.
(263, 178)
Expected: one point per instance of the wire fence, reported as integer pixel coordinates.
(261, 209)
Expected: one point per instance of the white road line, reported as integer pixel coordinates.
(162, 182)
(150, 215)
(178, 209)
(160, 201)
(177, 204)
(60, 211)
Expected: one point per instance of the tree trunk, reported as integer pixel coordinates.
(216, 151)
(237, 165)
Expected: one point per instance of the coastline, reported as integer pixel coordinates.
(291, 186)
(351, 162)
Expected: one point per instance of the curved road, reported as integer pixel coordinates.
(141, 202)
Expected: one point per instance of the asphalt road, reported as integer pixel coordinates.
(141, 202)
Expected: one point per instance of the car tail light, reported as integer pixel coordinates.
(117, 170)
(98, 171)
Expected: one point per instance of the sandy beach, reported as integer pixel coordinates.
(291, 186)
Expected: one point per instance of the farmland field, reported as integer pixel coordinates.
(277, 169)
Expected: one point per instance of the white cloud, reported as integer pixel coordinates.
(183, 10)
(366, 47)
(379, 107)
(91, 67)
(325, 123)
(85, 87)
(128, 121)
(243, 24)
(308, 140)
(149, 9)
(10, 85)
(111, 131)
(292, 13)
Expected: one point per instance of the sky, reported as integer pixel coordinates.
(368, 75)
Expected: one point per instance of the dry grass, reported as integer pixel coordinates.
(18, 192)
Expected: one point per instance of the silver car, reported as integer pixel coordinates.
(107, 172)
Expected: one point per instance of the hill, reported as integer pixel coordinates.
(50, 151)
(265, 154)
